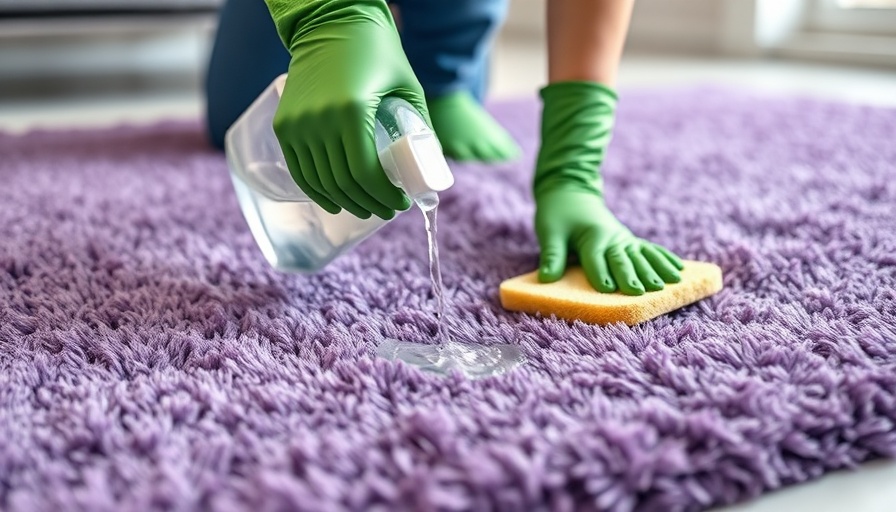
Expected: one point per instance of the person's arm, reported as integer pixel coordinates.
(585, 39)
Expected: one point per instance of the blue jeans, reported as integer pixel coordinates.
(446, 41)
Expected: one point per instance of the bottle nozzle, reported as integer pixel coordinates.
(415, 163)
(427, 201)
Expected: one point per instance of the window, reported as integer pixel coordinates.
(869, 17)
(849, 31)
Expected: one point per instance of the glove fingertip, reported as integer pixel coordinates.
(606, 285)
(330, 208)
(672, 276)
(548, 273)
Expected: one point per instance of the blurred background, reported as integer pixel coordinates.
(96, 62)
(86, 63)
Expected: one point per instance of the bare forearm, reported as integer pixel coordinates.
(585, 39)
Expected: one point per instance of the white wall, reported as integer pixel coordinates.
(789, 29)
(691, 26)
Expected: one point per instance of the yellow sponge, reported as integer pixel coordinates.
(573, 298)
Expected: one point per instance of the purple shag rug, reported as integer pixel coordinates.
(150, 360)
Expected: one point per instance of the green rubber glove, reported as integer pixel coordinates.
(346, 56)
(576, 127)
(467, 132)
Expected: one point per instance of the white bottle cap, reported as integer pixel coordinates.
(415, 164)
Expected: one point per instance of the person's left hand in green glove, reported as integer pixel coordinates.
(577, 122)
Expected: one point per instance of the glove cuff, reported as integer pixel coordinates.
(582, 89)
(294, 19)
(576, 127)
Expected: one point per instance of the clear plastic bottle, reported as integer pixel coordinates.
(297, 235)
(294, 233)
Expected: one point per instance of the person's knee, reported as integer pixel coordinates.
(246, 56)
(215, 131)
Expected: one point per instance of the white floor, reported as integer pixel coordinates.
(519, 69)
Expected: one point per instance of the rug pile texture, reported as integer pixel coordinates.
(151, 360)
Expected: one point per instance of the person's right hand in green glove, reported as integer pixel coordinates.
(577, 122)
(585, 43)
(346, 56)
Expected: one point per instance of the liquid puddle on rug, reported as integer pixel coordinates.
(446, 355)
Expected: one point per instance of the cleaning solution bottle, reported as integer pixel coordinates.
(293, 232)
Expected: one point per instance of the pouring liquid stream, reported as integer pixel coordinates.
(473, 360)
(435, 271)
